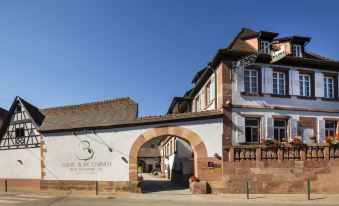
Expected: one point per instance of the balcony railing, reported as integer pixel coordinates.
(311, 152)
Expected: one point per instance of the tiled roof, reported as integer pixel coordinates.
(94, 114)
(141, 121)
(239, 45)
(311, 55)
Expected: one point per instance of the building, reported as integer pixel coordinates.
(149, 157)
(177, 159)
(72, 147)
(226, 119)
(294, 96)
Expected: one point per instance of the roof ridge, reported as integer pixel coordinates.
(90, 103)
(179, 114)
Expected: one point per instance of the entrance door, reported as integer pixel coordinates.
(307, 132)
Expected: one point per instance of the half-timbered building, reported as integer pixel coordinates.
(227, 119)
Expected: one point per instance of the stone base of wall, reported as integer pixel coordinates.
(280, 177)
(123, 186)
(19, 184)
(198, 187)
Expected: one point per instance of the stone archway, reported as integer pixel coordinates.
(198, 146)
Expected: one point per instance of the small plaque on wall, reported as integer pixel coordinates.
(210, 165)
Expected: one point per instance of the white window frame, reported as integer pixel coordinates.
(302, 85)
(280, 128)
(264, 48)
(297, 51)
(328, 86)
(208, 95)
(251, 89)
(253, 127)
(334, 129)
(278, 90)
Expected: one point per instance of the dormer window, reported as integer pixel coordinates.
(264, 47)
(297, 51)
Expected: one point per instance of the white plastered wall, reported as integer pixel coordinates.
(268, 113)
(20, 164)
(62, 150)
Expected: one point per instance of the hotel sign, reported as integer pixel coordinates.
(277, 55)
(84, 164)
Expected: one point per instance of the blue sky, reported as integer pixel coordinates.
(61, 52)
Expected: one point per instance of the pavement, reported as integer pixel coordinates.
(159, 191)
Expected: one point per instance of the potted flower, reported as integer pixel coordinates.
(332, 140)
(297, 142)
(193, 178)
(271, 143)
(140, 178)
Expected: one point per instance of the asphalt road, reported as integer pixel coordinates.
(159, 191)
(105, 201)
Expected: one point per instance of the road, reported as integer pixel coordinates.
(161, 199)
(158, 191)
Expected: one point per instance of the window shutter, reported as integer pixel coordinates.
(295, 82)
(240, 80)
(321, 129)
(294, 128)
(202, 98)
(270, 127)
(241, 129)
(319, 84)
(212, 88)
(268, 80)
(290, 88)
(263, 85)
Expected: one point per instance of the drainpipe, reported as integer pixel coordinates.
(215, 84)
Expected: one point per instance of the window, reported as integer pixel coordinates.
(297, 51)
(208, 94)
(304, 84)
(20, 136)
(19, 132)
(252, 130)
(197, 104)
(328, 87)
(264, 46)
(18, 108)
(251, 81)
(152, 145)
(280, 130)
(278, 83)
(330, 128)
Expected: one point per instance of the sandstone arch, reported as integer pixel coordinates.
(198, 146)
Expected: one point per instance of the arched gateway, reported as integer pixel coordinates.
(198, 146)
